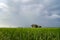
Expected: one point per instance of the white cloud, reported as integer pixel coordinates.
(54, 16)
(7, 26)
(3, 5)
(25, 1)
(3, 10)
(15, 0)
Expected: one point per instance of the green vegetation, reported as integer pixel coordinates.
(29, 33)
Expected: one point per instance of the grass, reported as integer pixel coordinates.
(29, 34)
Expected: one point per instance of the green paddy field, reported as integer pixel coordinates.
(29, 33)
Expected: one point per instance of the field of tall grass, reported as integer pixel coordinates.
(29, 34)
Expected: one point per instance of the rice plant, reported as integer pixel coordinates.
(29, 34)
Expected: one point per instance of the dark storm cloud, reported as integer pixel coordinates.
(27, 12)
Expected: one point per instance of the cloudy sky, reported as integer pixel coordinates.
(14, 13)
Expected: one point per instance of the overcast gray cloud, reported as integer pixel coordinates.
(27, 12)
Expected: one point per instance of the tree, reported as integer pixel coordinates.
(35, 26)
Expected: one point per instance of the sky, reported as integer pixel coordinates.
(24, 13)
